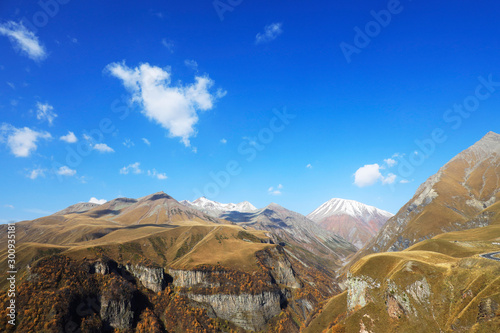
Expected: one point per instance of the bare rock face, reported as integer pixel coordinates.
(357, 290)
(280, 268)
(117, 313)
(251, 312)
(152, 278)
(101, 268)
(117, 305)
(189, 279)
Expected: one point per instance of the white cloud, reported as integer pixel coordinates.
(309, 166)
(45, 112)
(370, 174)
(65, 171)
(404, 181)
(10, 84)
(23, 40)
(98, 201)
(69, 138)
(367, 175)
(153, 173)
(273, 191)
(390, 179)
(191, 64)
(223, 141)
(9, 206)
(103, 148)
(134, 168)
(390, 162)
(271, 32)
(146, 141)
(168, 44)
(21, 141)
(174, 107)
(128, 143)
(87, 137)
(35, 173)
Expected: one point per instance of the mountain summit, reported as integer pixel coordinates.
(354, 221)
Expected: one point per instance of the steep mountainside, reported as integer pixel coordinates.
(215, 208)
(354, 221)
(453, 199)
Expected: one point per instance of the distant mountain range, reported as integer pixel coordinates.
(215, 208)
(354, 221)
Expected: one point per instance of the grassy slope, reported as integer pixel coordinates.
(459, 281)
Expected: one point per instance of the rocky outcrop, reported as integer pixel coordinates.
(101, 268)
(251, 312)
(152, 278)
(117, 304)
(117, 313)
(399, 301)
(189, 279)
(279, 267)
(357, 290)
(252, 308)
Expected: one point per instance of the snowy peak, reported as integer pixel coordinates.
(336, 206)
(216, 208)
(354, 221)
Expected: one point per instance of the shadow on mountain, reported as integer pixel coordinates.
(103, 212)
(237, 217)
(160, 196)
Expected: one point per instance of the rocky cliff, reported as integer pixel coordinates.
(251, 312)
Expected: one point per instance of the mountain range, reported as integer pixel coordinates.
(154, 264)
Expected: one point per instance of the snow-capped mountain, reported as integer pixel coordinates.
(215, 208)
(353, 220)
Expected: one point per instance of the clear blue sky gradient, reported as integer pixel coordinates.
(396, 90)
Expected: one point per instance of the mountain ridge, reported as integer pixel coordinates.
(447, 201)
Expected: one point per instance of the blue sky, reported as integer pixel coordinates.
(266, 102)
